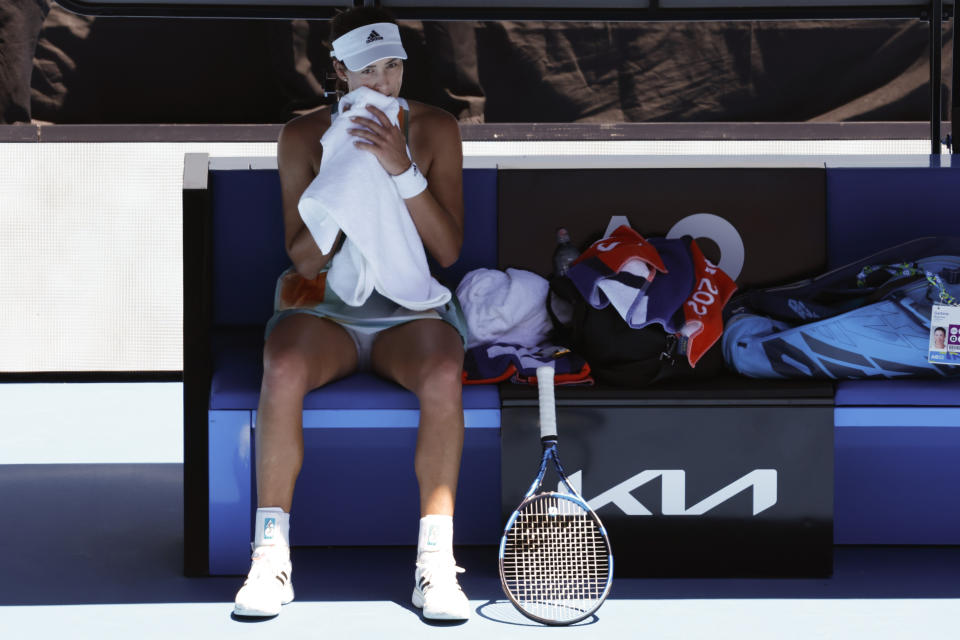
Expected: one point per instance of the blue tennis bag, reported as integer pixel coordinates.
(868, 319)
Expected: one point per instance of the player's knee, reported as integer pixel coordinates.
(440, 375)
(284, 368)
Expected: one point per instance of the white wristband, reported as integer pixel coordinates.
(410, 183)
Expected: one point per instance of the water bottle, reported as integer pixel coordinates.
(564, 254)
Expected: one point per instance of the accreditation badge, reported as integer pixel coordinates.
(944, 345)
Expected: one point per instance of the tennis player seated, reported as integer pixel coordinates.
(342, 307)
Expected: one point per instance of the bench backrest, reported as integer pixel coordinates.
(872, 208)
(773, 218)
(248, 246)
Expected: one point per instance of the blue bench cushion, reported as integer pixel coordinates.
(237, 370)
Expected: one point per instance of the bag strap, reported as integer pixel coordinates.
(562, 288)
(910, 271)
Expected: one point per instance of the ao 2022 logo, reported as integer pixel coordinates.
(721, 232)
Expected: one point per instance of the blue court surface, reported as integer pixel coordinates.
(94, 550)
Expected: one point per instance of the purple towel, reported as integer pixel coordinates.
(668, 291)
(489, 363)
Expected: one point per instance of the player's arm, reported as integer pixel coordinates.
(295, 162)
(437, 211)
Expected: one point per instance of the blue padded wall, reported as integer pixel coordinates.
(896, 485)
(872, 208)
(230, 491)
(897, 443)
(479, 227)
(358, 486)
(248, 247)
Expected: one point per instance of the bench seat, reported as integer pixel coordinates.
(359, 442)
(238, 369)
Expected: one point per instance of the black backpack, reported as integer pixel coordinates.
(618, 354)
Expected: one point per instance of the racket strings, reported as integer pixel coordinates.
(556, 559)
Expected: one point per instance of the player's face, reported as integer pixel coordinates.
(384, 76)
(938, 338)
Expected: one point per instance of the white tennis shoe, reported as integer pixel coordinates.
(268, 586)
(436, 589)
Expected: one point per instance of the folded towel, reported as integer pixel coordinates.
(352, 192)
(508, 307)
(668, 291)
(618, 270)
(622, 247)
(492, 363)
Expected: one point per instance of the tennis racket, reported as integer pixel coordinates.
(556, 565)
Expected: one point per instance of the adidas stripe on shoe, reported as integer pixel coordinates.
(437, 591)
(268, 585)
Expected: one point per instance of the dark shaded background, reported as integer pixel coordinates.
(126, 70)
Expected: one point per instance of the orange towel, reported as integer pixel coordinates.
(297, 292)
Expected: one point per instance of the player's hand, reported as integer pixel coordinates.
(383, 139)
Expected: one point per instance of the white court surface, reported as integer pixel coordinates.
(647, 619)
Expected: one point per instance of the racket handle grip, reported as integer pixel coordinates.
(548, 409)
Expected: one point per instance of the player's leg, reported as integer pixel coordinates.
(303, 352)
(426, 357)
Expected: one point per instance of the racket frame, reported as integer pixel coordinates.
(548, 442)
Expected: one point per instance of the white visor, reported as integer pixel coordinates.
(365, 45)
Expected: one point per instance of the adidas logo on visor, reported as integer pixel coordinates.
(365, 45)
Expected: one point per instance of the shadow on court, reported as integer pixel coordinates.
(112, 534)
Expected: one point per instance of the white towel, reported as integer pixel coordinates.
(507, 307)
(630, 303)
(353, 192)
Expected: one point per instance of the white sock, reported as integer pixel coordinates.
(436, 535)
(272, 528)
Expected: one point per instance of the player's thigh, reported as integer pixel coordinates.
(306, 351)
(420, 354)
